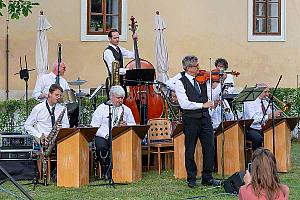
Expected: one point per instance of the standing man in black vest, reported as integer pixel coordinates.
(115, 52)
(193, 99)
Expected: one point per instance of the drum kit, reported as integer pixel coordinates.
(72, 100)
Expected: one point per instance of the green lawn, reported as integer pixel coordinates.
(153, 186)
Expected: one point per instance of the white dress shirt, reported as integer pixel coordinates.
(229, 80)
(39, 120)
(109, 57)
(183, 99)
(100, 118)
(216, 114)
(44, 82)
(253, 110)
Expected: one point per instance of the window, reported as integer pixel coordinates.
(266, 20)
(103, 15)
(99, 16)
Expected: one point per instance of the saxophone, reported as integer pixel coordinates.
(121, 119)
(53, 134)
(115, 73)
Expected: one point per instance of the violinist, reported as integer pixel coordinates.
(257, 110)
(228, 78)
(193, 99)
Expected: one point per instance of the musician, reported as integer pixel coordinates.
(222, 63)
(193, 99)
(121, 115)
(115, 52)
(257, 110)
(43, 115)
(216, 112)
(44, 82)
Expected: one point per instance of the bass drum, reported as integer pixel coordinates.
(69, 99)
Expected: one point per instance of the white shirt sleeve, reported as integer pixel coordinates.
(129, 119)
(183, 99)
(109, 58)
(38, 89)
(97, 118)
(30, 122)
(172, 81)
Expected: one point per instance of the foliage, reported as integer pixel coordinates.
(17, 8)
(13, 114)
(152, 186)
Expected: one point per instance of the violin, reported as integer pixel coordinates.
(203, 76)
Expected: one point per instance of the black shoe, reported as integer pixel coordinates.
(192, 184)
(212, 182)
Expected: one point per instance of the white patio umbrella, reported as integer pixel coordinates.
(41, 48)
(161, 51)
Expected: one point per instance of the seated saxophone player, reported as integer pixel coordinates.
(44, 118)
(121, 116)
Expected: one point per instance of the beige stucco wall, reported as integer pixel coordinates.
(208, 29)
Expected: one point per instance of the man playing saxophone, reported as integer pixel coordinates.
(43, 116)
(121, 116)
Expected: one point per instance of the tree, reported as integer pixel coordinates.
(17, 8)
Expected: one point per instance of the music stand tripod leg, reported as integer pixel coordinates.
(15, 182)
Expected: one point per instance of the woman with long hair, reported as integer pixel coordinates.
(263, 183)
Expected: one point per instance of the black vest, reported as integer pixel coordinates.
(194, 96)
(117, 56)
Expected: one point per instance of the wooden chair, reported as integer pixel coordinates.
(160, 142)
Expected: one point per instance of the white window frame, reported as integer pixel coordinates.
(266, 38)
(83, 33)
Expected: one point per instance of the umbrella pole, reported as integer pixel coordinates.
(7, 56)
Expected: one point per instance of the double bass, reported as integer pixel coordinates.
(142, 99)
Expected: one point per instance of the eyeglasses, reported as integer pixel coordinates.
(267, 91)
(197, 65)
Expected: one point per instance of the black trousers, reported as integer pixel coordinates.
(256, 137)
(201, 128)
(103, 156)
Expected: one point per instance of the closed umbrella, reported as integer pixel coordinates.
(161, 51)
(41, 49)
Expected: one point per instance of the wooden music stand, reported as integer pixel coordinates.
(73, 156)
(234, 156)
(127, 153)
(283, 128)
(179, 153)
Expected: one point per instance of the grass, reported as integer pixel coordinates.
(152, 186)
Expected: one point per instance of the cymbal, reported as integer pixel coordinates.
(77, 82)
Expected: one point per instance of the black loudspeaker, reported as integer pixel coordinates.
(19, 169)
(233, 183)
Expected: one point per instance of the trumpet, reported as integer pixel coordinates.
(284, 105)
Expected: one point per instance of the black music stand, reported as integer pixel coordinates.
(139, 77)
(247, 94)
(4, 175)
